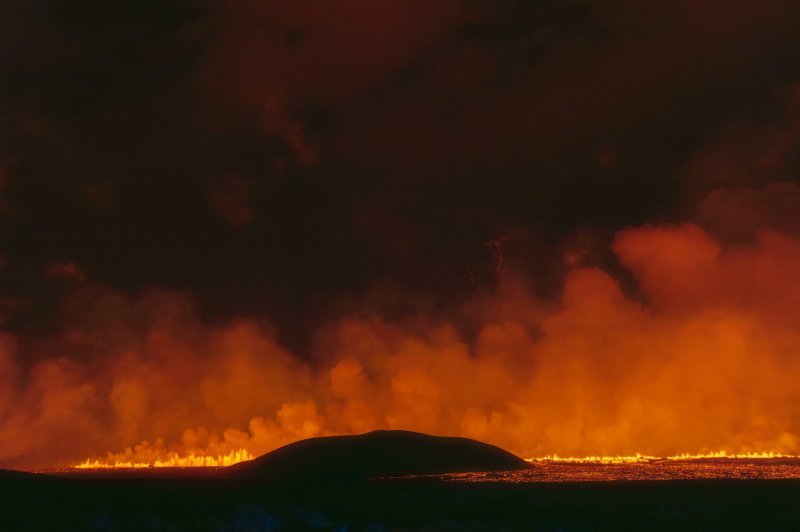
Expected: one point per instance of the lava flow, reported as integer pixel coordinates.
(605, 470)
(172, 460)
(642, 458)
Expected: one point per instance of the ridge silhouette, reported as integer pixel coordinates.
(379, 453)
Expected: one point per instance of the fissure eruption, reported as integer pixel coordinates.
(568, 229)
(703, 362)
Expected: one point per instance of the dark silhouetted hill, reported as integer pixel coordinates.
(377, 454)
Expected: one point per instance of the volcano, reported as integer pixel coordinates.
(381, 453)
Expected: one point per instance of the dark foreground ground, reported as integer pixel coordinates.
(201, 503)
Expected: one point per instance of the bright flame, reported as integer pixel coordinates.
(173, 460)
(636, 458)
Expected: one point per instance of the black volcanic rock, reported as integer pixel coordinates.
(376, 454)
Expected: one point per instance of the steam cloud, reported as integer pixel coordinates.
(704, 359)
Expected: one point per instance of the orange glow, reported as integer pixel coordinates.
(701, 354)
(172, 460)
(640, 458)
(550, 471)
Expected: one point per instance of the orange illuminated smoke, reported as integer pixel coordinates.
(701, 355)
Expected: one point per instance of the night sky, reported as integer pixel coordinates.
(293, 163)
(274, 157)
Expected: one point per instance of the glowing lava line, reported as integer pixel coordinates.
(173, 460)
(242, 455)
(636, 458)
